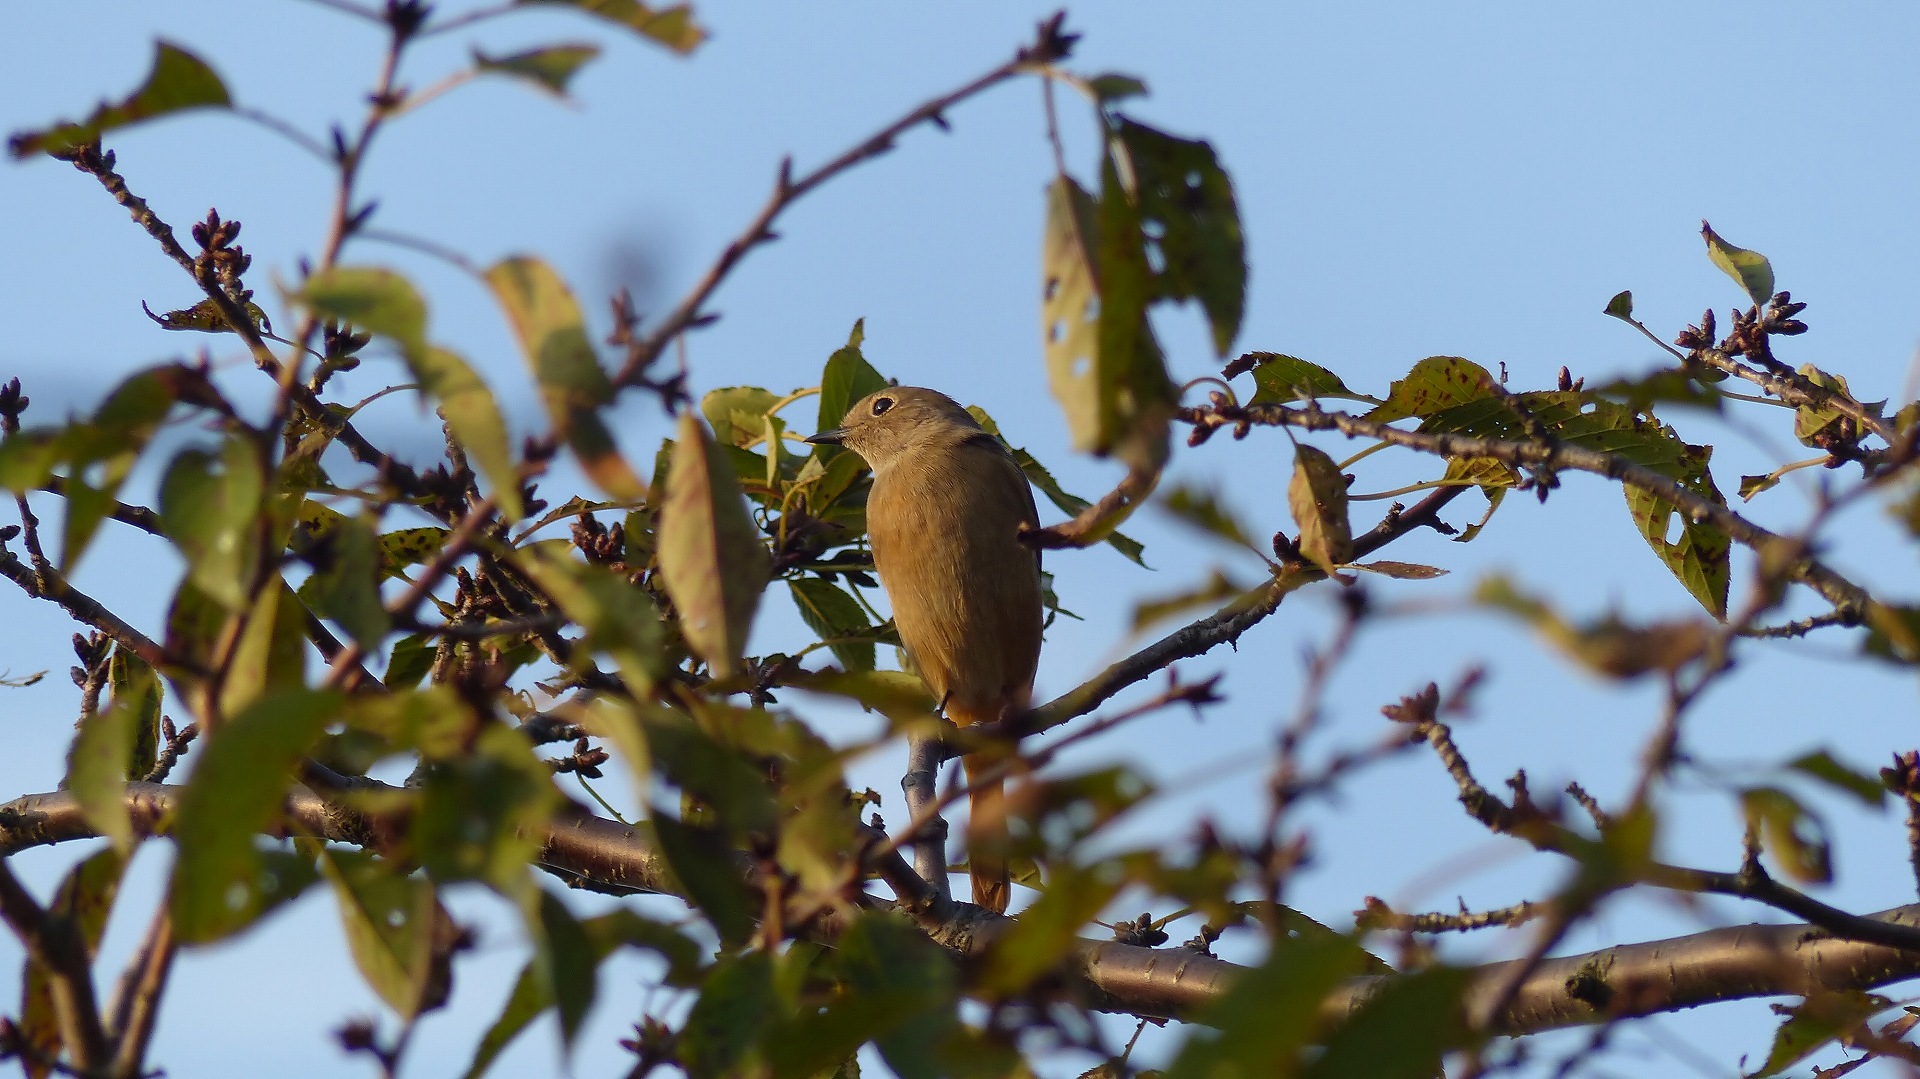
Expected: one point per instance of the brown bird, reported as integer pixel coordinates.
(944, 517)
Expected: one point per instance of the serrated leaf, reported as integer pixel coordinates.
(239, 780)
(1621, 306)
(712, 561)
(208, 504)
(177, 81)
(1280, 379)
(384, 303)
(1188, 216)
(1749, 269)
(553, 337)
(838, 618)
(672, 27)
(1434, 385)
(551, 69)
(1795, 837)
(1820, 765)
(1816, 1022)
(1317, 496)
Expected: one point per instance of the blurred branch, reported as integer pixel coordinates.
(55, 946)
(1050, 45)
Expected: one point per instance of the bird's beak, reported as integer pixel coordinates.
(832, 436)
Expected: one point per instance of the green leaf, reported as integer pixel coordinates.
(1266, 1020)
(1217, 587)
(619, 618)
(1401, 1032)
(838, 618)
(178, 81)
(1749, 269)
(483, 813)
(345, 585)
(84, 900)
(846, 378)
(1816, 425)
(97, 765)
(568, 962)
(1816, 1022)
(1673, 385)
(239, 782)
(384, 303)
(1621, 306)
(396, 929)
(1279, 380)
(1317, 495)
(1115, 87)
(1702, 559)
(1039, 941)
(1203, 510)
(1820, 765)
(1191, 224)
(409, 662)
(709, 874)
(272, 653)
(672, 27)
(722, 1033)
(712, 560)
(1400, 571)
(208, 504)
(100, 453)
(1434, 385)
(551, 69)
(136, 687)
(553, 335)
(1796, 837)
(1607, 646)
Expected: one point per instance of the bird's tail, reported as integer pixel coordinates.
(987, 837)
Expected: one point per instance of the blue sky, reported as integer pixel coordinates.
(1414, 179)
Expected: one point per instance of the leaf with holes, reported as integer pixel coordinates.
(1317, 495)
(177, 81)
(1191, 224)
(712, 560)
(1434, 385)
(1749, 269)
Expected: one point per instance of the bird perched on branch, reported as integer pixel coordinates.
(944, 518)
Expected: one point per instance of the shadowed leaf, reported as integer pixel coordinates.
(1815, 1023)
(838, 618)
(396, 928)
(1191, 223)
(672, 27)
(1820, 765)
(207, 507)
(712, 561)
(1317, 495)
(551, 69)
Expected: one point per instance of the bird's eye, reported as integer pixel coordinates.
(881, 404)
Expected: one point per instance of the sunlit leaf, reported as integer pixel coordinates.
(1317, 495)
(838, 618)
(1191, 223)
(396, 929)
(1816, 1022)
(272, 653)
(1621, 306)
(178, 80)
(208, 503)
(1279, 380)
(239, 781)
(712, 560)
(1749, 269)
(553, 336)
(672, 26)
(345, 585)
(206, 317)
(1435, 385)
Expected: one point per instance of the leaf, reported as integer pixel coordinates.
(672, 27)
(1749, 269)
(1039, 940)
(1495, 496)
(1702, 559)
(136, 687)
(1113, 86)
(97, 765)
(1606, 646)
(1674, 385)
(208, 504)
(1401, 1032)
(1621, 306)
(1103, 364)
(239, 781)
(1203, 510)
(384, 303)
(1067, 502)
(838, 618)
(1815, 425)
(712, 560)
(396, 929)
(551, 68)
(345, 585)
(1753, 485)
(405, 547)
(408, 663)
(272, 653)
(708, 874)
(1795, 837)
(1820, 765)
(1217, 587)
(568, 962)
(206, 317)
(1434, 385)
(722, 1032)
(846, 379)
(1280, 379)
(84, 901)
(1400, 571)
(1191, 224)
(619, 618)
(177, 81)
(1317, 495)
(1266, 1020)
(553, 335)
(482, 814)
(1816, 1022)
